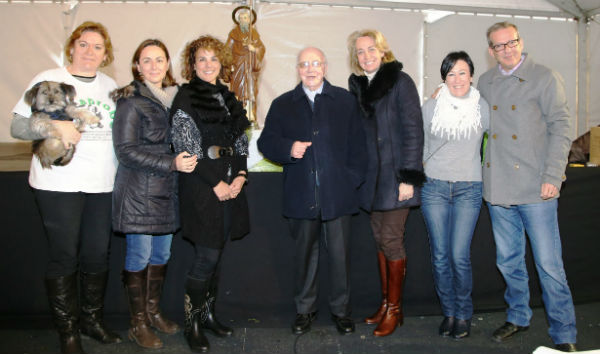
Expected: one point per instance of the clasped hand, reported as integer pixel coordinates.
(225, 191)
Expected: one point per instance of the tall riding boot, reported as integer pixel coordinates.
(195, 298)
(393, 316)
(156, 279)
(62, 298)
(211, 321)
(93, 287)
(140, 331)
(376, 317)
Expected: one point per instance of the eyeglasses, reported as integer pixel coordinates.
(314, 64)
(500, 47)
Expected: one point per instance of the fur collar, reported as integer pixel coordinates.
(215, 104)
(368, 93)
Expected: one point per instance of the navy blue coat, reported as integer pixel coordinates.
(337, 153)
(394, 129)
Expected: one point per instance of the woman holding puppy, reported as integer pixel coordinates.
(144, 198)
(75, 200)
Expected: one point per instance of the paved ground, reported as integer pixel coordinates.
(418, 335)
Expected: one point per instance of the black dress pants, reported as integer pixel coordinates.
(334, 235)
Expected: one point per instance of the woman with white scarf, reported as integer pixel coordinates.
(453, 123)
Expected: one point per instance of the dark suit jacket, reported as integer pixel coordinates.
(337, 154)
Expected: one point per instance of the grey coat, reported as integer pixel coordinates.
(529, 136)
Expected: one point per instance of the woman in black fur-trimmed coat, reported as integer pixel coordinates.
(394, 130)
(209, 122)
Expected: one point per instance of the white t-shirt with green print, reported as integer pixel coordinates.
(94, 164)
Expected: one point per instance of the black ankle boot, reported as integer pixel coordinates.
(195, 299)
(62, 298)
(93, 287)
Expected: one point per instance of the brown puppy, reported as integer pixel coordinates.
(49, 101)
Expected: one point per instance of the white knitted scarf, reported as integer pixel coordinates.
(456, 117)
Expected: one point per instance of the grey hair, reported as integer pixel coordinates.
(315, 48)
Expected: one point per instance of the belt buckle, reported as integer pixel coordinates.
(214, 152)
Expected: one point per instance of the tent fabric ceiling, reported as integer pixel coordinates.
(581, 9)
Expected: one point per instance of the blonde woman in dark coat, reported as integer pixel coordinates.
(394, 129)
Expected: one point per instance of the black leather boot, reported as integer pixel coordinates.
(194, 302)
(211, 323)
(62, 298)
(93, 287)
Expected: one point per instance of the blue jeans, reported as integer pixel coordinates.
(146, 249)
(451, 210)
(540, 221)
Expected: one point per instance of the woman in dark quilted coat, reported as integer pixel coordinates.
(145, 193)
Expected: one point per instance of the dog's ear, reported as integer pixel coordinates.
(69, 91)
(31, 94)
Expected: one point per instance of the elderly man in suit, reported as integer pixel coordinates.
(315, 132)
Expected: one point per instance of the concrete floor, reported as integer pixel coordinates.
(418, 335)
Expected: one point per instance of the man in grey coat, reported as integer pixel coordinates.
(524, 167)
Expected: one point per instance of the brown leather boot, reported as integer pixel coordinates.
(156, 279)
(393, 316)
(140, 332)
(376, 317)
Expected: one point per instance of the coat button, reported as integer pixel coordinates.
(494, 136)
(495, 108)
(521, 80)
(514, 137)
(513, 107)
(316, 132)
(487, 164)
(516, 166)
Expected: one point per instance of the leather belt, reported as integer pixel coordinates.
(215, 152)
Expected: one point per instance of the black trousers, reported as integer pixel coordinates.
(78, 229)
(334, 235)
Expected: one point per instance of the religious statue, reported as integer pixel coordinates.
(248, 52)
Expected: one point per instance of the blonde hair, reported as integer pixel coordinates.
(89, 26)
(188, 57)
(380, 43)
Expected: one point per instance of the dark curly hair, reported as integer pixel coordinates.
(188, 57)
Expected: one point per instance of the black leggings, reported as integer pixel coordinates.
(78, 229)
(206, 263)
(206, 260)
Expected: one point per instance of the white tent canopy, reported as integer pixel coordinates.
(562, 34)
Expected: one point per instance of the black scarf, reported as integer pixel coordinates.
(209, 110)
(367, 93)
